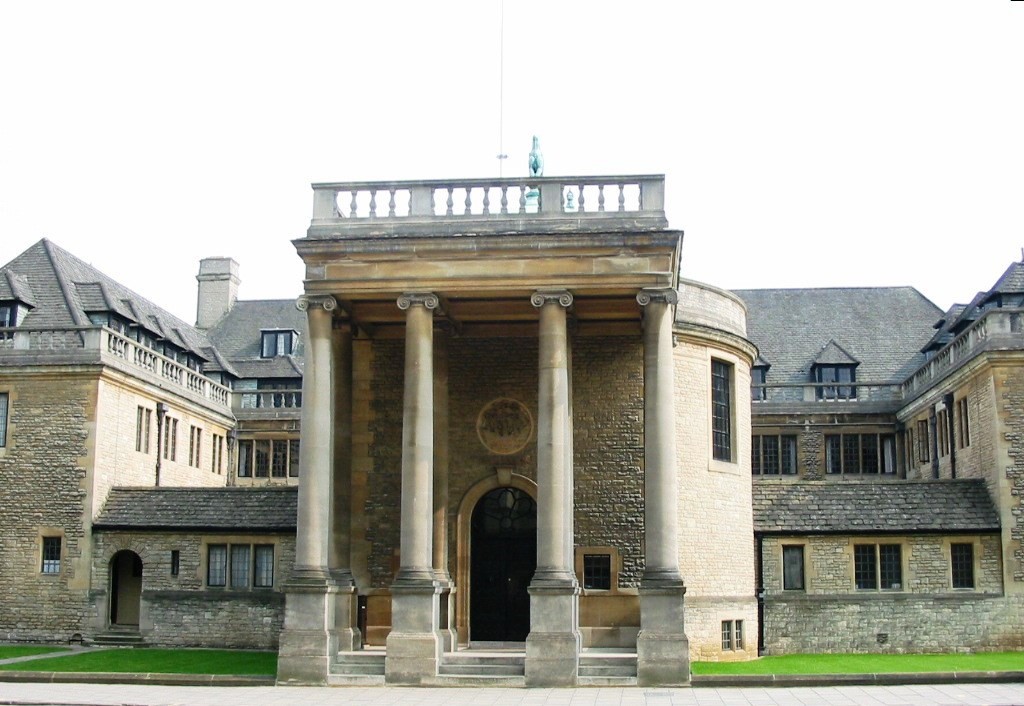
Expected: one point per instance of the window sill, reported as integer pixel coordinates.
(730, 467)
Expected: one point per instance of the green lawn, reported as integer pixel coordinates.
(148, 660)
(868, 664)
(9, 651)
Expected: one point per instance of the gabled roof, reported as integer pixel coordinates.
(882, 327)
(834, 354)
(65, 289)
(15, 287)
(227, 509)
(943, 326)
(873, 506)
(1011, 282)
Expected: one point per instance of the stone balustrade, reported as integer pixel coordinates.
(99, 344)
(826, 392)
(266, 399)
(997, 329)
(389, 206)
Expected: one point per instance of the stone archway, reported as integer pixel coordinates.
(125, 588)
(470, 503)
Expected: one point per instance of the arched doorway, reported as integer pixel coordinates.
(503, 558)
(125, 587)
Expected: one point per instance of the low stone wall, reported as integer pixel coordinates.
(893, 623)
(235, 619)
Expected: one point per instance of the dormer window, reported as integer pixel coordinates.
(836, 374)
(8, 315)
(758, 378)
(278, 342)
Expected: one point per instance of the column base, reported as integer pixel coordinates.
(553, 645)
(308, 642)
(346, 615)
(414, 643)
(662, 650)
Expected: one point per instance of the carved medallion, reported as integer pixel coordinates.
(504, 426)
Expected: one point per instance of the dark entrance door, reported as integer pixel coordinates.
(503, 551)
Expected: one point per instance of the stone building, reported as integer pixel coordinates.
(498, 431)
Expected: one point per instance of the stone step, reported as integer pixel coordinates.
(359, 663)
(608, 658)
(471, 658)
(118, 639)
(606, 681)
(355, 680)
(608, 670)
(489, 670)
(477, 680)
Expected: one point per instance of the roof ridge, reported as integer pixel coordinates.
(49, 248)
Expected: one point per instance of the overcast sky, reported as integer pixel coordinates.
(804, 143)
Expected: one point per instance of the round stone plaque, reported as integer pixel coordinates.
(504, 426)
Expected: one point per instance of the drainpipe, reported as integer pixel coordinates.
(758, 542)
(947, 399)
(161, 412)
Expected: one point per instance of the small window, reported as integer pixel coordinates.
(8, 316)
(195, 445)
(175, 562)
(860, 453)
(963, 426)
(170, 439)
(261, 464)
(277, 343)
(217, 454)
(217, 565)
(4, 400)
(942, 429)
(878, 566)
(721, 410)
(51, 555)
(293, 458)
(962, 565)
(737, 635)
(597, 571)
(143, 421)
(793, 567)
(773, 455)
(726, 635)
(758, 379)
(835, 374)
(923, 452)
(279, 459)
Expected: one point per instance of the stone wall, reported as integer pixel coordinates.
(1009, 391)
(43, 473)
(927, 615)
(181, 610)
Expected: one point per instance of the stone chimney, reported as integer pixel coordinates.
(218, 289)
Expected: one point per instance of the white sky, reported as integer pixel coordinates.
(805, 143)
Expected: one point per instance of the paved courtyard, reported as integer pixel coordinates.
(122, 695)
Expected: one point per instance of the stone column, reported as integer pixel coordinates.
(340, 546)
(662, 649)
(449, 637)
(553, 645)
(414, 645)
(308, 639)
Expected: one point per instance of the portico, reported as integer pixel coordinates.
(492, 312)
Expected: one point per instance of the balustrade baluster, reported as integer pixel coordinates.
(522, 198)
(600, 197)
(391, 204)
(373, 203)
(353, 208)
(622, 197)
(487, 200)
(504, 200)
(469, 201)
(581, 200)
(451, 200)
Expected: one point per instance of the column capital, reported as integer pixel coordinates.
(428, 299)
(562, 297)
(326, 301)
(661, 295)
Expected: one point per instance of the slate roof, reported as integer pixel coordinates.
(822, 507)
(229, 509)
(1012, 281)
(238, 340)
(65, 289)
(15, 287)
(834, 354)
(882, 327)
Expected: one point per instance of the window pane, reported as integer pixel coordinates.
(888, 453)
(737, 635)
(597, 571)
(962, 557)
(789, 455)
(869, 452)
(726, 634)
(262, 462)
(851, 453)
(721, 413)
(891, 570)
(244, 459)
(279, 462)
(833, 458)
(240, 565)
(793, 568)
(864, 566)
(217, 565)
(755, 455)
(770, 448)
(269, 342)
(264, 577)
